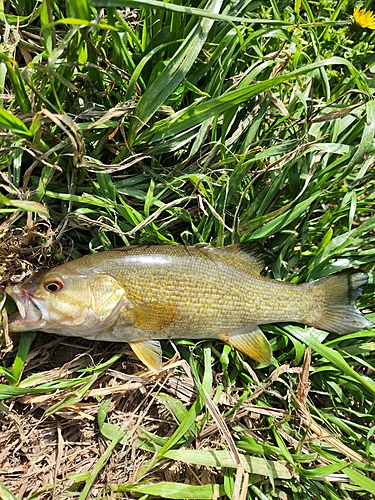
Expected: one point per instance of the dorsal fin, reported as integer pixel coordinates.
(244, 256)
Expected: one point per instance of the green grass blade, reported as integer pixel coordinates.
(284, 219)
(135, 78)
(101, 462)
(194, 115)
(320, 473)
(187, 423)
(73, 398)
(26, 340)
(366, 145)
(185, 10)
(173, 74)
(46, 29)
(360, 479)
(18, 85)
(10, 122)
(25, 205)
(79, 9)
(5, 494)
(220, 458)
(308, 336)
(177, 491)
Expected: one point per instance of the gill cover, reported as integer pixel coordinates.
(74, 303)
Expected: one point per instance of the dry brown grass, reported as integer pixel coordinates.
(39, 451)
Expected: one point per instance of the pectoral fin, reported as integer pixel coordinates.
(152, 316)
(254, 344)
(149, 352)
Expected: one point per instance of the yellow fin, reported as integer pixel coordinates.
(244, 256)
(254, 344)
(149, 352)
(152, 316)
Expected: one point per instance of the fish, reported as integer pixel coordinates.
(144, 294)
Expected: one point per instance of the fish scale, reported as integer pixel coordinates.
(143, 294)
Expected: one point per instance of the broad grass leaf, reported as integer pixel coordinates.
(79, 9)
(220, 458)
(25, 205)
(320, 473)
(178, 491)
(136, 74)
(284, 219)
(8, 121)
(175, 407)
(282, 446)
(360, 479)
(26, 340)
(155, 4)
(5, 494)
(85, 198)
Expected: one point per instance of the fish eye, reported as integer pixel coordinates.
(53, 284)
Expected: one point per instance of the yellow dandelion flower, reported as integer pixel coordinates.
(365, 18)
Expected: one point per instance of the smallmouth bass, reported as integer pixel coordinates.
(142, 294)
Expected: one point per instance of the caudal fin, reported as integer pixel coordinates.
(334, 308)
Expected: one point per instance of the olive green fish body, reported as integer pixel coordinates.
(192, 295)
(142, 294)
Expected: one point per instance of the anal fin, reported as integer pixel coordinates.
(254, 344)
(149, 352)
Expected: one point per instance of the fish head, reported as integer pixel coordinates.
(66, 301)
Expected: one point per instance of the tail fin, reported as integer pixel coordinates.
(336, 294)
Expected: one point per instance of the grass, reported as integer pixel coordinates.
(213, 122)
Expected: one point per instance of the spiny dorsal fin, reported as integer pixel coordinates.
(243, 256)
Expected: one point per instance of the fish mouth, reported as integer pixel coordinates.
(29, 315)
